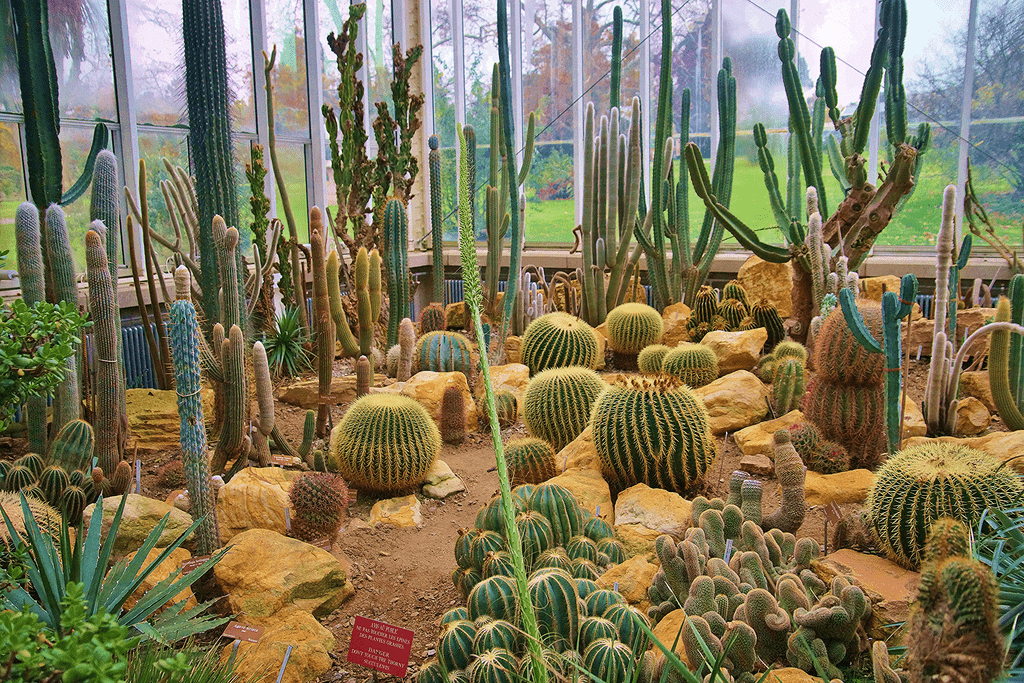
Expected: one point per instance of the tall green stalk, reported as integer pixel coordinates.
(474, 296)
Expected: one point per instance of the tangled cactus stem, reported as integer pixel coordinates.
(895, 307)
(184, 337)
(105, 313)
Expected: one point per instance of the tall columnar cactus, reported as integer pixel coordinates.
(385, 444)
(67, 399)
(558, 340)
(33, 290)
(436, 229)
(364, 376)
(322, 322)
(557, 403)
(653, 431)
(184, 339)
(367, 299)
(265, 400)
(920, 484)
(108, 389)
(343, 333)
(209, 114)
(452, 419)
(895, 307)
(1004, 359)
(396, 247)
(233, 442)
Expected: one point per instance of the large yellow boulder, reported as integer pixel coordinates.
(255, 498)
(841, 487)
(160, 572)
(141, 515)
(153, 417)
(736, 350)
(734, 401)
(772, 281)
(662, 511)
(427, 388)
(311, 645)
(758, 439)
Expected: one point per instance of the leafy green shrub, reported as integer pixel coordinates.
(284, 345)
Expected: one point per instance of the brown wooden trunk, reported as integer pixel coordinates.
(799, 322)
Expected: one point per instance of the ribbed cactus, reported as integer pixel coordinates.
(766, 315)
(452, 420)
(530, 461)
(233, 443)
(734, 311)
(507, 408)
(496, 634)
(67, 398)
(536, 533)
(632, 327)
(442, 352)
(323, 324)
(1004, 358)
(560, 508)
(554, 593)
(558, 340)
(209, 113)
(693, 364)
(265, 401)
(436, 229)
(788, 386)
(654, 432)
(494, 597)
(432, 319)
(649, 360)
(384, 444)
(53, 480)
(30, 274)
(734, 290)
(396, 247)
(72, 447)
(105, 314)
(455, 646)
(318, 501)
(184, 341)
(557, 403)
(789, 470)
(406, 345)
(920, 484)
(364, 376)
(820, 455)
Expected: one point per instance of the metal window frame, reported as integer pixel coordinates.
(127, 115)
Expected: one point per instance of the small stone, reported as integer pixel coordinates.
(512, 346)
(661, 511)
(403, 512)
(634, 577)
(972, 417)
(443, 489)
(758, 439)
(580, 452)
(975, 383)
(765, 280)
(636, 538)
(455, 316)
(428, 388)
(511, 377)
(674, 319)
(736, 350)
(842, 487)
(735, 401)
(913, 421)
(758, 464)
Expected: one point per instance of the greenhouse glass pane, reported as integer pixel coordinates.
(153, 149)
(12, 187)
(74, 146)
(479, 28)
(80, 39)
(293, 168)
(156, 50)
(239, 49)
(444, 109)
(379, 41)
(291, 102)
(10, 90)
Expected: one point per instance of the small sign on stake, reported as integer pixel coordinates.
(323, 544)
(138, 476)
(728, 550)
(280, 460)
(832, 513)
(287, 519)
(380, 646)
(192, 564)
(237, 631)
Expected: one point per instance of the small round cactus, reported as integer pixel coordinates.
(632, 326)
(453, 415)
(442, 352)
(920, 484)
(384, 443)
(318, 500)
(695, 365)
(766, 315)
(507, 407)
(733, 311)
(734, 290)
(557, 403)
(650, 359)
(558, 340)
(432, 319)
(705, 304)
(530, 461)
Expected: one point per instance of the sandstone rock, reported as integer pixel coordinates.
(636, 538)
(736, 350)
(890, 587)
(1002, 445)
(306, 394)
(674, 318)
(255, 498)
(670, 628)
(972, 417)
(970, 319)
(757, 439)
(511, 377)
(590, 489)
(580, 452)
(913, 420)
(140, 517)
(441, 482)
(920, 337)
(841, 487)
(734, 401)
(311, 645)
(634, 577)
(455, 315)
(401, 512)
(428, 387)
(602, 330)
(602, 343)
(159, 573)
(512, 346)
(264, 573)
(975, 383)
(659, 510)
(153, 417)
(772, 281)
(874, 287)
(757, 464)
(791, 674)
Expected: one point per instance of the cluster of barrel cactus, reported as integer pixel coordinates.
(734, 312)
(530, 461)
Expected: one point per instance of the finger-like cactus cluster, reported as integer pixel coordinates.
(695, 365)
(557, 403)
(384, 444)
(920, 484)
(558, 340)
(653, 431)
(788, 386)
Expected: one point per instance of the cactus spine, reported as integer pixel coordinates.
(322, 322)
(184, 339)
(72, 447)
(33, 290)
(105, 313)
(557, 403)
(67, 397)
(558, 340)
(396, 241)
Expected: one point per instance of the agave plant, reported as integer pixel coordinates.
(84, 559)
(285, 344)
(1000, 545)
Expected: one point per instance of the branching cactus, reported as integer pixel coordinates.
(184, 338)
(108, 389)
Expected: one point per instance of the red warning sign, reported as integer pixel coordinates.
(380, 646)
